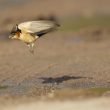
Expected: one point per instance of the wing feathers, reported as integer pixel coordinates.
(41, 26)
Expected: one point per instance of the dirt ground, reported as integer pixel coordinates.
(94, 104)
(69, 69)
(60, 61)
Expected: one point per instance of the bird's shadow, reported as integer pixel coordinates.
(61, 79)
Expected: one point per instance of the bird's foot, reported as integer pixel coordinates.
(31, 47)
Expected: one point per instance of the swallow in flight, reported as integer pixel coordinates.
(30, 31)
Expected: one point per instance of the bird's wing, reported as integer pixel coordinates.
(36, 26)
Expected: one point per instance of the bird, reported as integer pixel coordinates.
(30, 31)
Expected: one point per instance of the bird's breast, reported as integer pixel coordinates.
(28, 38)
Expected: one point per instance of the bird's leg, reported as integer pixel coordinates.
(31, 47)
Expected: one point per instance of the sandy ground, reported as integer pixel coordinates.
(60, 61)
(93, 104)
(63, 60)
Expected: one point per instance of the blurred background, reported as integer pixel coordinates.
(72, 62)
(73, 15)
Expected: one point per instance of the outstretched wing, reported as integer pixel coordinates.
(39, 27)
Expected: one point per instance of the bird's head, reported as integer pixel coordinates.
(15, 33)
